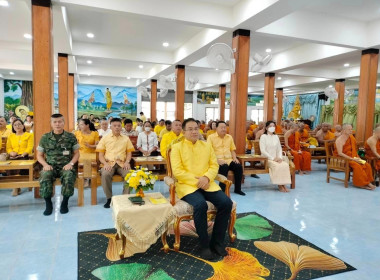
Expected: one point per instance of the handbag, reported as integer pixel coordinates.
(285, 157)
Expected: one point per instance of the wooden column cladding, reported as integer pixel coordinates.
(367, 94)
(63, 87)
(279, 108)
(268, 96)
(339, 103)
(239, 88)
(153, 100)
(180, 92)
(222, 102)
(71, 103)
(43, 69)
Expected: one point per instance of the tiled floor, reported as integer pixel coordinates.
(344, 222)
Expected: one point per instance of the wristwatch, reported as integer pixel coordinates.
(72, 164)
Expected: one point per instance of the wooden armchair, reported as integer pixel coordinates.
(3, 147)
(184, 211)
(336, 163)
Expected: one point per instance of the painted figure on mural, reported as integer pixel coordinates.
(91, 99)
(108, 99)
(22, 112)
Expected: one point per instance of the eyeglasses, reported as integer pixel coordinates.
(192, 129)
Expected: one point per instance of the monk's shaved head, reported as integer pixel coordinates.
(377, 128)
(346, 126)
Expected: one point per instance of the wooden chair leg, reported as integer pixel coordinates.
(231, 225)
(94, 189)
(177, 234)
(37, 193)
(80, 184)
(328, 175)
(293, 178)
(164, 242)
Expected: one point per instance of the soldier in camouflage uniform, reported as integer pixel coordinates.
(58, 151)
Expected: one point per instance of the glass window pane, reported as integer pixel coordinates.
(188, 110)
(160, 110)
(227, 114)
(145, 107)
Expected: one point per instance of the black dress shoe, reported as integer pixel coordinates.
(108, 203)
(239, 192)
(220, 250)
(255, 176)
(207, 254)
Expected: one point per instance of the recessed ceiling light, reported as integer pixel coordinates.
(216, 69)
(89, 75)
(4, 3)
(89, 61)
(141, 66)
(165, 44)
(27, 36)
(330, 86)
(11, 73)
(346, 64)
(279, 78)
(90, 35)
(268, 50)
(128, 77)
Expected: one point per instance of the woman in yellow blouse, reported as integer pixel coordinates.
(19, 146)
(88, 138)
(212, 130)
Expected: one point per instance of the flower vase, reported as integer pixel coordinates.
(140, 193)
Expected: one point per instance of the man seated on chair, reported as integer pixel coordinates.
(61, 150)
(128, 128)
(224, 148)
(195, 167)
(168, 138)
(324, 134)
(115, 152)
(372, 148)
(345, 146)
(167, 129)
(4, 131)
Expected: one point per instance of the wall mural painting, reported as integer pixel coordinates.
(253, 100)
(206, 97)
(107, 101)
(18, 98)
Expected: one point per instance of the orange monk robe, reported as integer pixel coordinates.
(228, 130)
(278, 129)
(202, 126)
(302, 160)
(329, 135)
(362, 172)
(307, 127)
(333, 130)
(304, 135)
(369, 154)
(252, 127)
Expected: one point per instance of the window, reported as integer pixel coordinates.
(212, 113)
(227, 114)
(166, 110)
(188, 110)
(257, 115)
(145, 107)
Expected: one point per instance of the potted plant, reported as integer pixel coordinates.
(140, 180)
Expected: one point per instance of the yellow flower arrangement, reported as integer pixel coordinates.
(140, 179)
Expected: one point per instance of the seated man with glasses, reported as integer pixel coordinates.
(195, 167)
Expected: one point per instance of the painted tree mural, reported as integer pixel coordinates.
(26, 91)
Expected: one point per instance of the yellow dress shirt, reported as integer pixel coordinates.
(167, 139)
(143, 118)
(162, 133)
(209, 132)
(115, 148)
(91, 139)
(222, 146)
(158, 128)
(190, 160)
(5, 133)
(20, 143)
(9, 126)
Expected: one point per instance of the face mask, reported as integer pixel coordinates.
(271, 129)
(147, 128)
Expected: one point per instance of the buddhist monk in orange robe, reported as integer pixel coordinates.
(324, 134)
(345, 146)
(372, 148)
(302, 159)
(278, 129)
(307, 127)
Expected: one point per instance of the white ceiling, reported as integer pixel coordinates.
(310, 40)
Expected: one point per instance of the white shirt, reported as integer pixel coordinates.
(147, 142)
(139, 129)
(103, 132)
(270, 146)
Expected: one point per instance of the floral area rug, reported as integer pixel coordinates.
(263, 250)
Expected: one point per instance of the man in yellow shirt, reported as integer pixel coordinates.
(224, 148)
(195, 167)
(4, 131)
(115, 152)
(142, 117)
(159, 127)
(11, 120)
(167, 129)
(168, 138)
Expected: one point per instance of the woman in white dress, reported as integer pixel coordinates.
(270, 147)
(147, 142)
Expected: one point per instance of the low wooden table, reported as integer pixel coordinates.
(252, 168)
(151, 160)
(18, 181)
(139, 226)
(315, 150)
